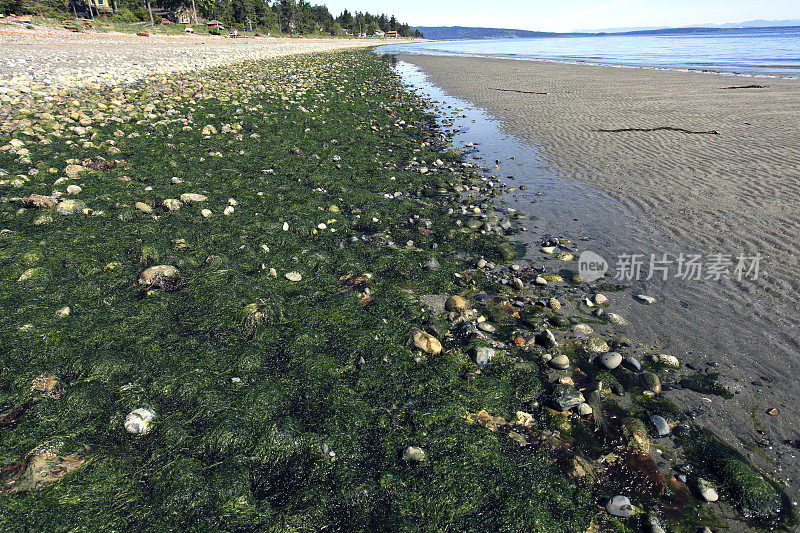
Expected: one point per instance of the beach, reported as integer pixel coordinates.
(722, 180)
(251, 287)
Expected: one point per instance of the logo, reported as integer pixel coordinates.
(591, 266)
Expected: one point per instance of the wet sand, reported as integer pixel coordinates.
(734, 192)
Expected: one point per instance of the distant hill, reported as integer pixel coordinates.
(460, 32)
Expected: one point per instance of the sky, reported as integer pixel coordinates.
(570, 15)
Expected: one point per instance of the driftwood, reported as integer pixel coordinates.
(516, 91)
(745, 87)
(660, 128)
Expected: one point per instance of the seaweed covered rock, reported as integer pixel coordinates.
(42, 466)
(757, 499)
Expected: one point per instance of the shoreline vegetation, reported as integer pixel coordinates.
(271, 296)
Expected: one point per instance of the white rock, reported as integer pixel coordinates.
(294, 276)
(190, 197)
(138, 422)
(73, 189)
(206, 213)
(228, 211)
(64, 311)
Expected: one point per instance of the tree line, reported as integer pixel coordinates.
(282, 16)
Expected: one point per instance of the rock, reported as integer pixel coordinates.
(635, 434)
(482, 355)
(517, 283)
(228, 210)
(481, 263)
(565, 398)
(413, 454)
(70, 207)
(609, 360)
(620, 507)
(293, 276)
(596, 345)
(616, 319)
(72, 171)
(176, 180)
(486, 327)
(455, 304)
(706, 491)
(205, 213)
(64, 311)
(31, 273)
(600, 299)
(191, 198)
(650, 381)
(172, 204)
(39, 201)
(431, 264)
(560, 362)
(659, 425)
(74, 189)
(138, 422)
(655, 525)
(554, 304)
(582, 329)
(666, 360)
(647, 300)
(547, 340)
(585, 409)
(548, 249)
(540, 281)
(143, 207)
(632, 363)
(426, 342)
(164, 277)
(565, 256)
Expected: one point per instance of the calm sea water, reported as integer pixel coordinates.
(763, 51)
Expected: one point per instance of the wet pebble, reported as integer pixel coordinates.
(609, 360)
(620, 507)
(560, 362)
(660, 426)
(632, 363)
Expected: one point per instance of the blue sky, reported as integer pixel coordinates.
(569, 15)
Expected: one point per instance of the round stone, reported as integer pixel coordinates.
(486, 327)
(560, 361)
(660, 426)
(293, 276)
(600, 299)
(414, 454)
(650, 381)
(610, 360)
(138, 422)
(620, 506)
(632, 363)
(455, 304)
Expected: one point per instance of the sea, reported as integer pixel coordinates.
(763, 52)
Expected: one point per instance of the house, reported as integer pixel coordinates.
(380, 34)
(214, 27)
(392, 34)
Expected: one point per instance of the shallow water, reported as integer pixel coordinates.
(714, 326)
(763, 51)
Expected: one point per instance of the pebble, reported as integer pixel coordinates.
(164, 277)
(190, 198)
(206, 213)
(517, 284)
(600, 299)
(632, 364)
(70, 207)
(172, 204)
(596, 345)
(426, 342)
(666, 360)
(585, 409)
(414, 454)
(647, 300)
(138, 421)
(481, 263)
(143, 207)
(73, 189)
(64, 311)
(706, 491)
(560, 362)
(554, 304)
(616, 319)
(486, 327)
(660, 426)
(228, 211)
(482, 355)
(650, 381)
(582, 329)
(293, 276)
(567, 399)
(540, 281)
(547, 340)
(620, 507)
(455, 304)
(610, 360)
